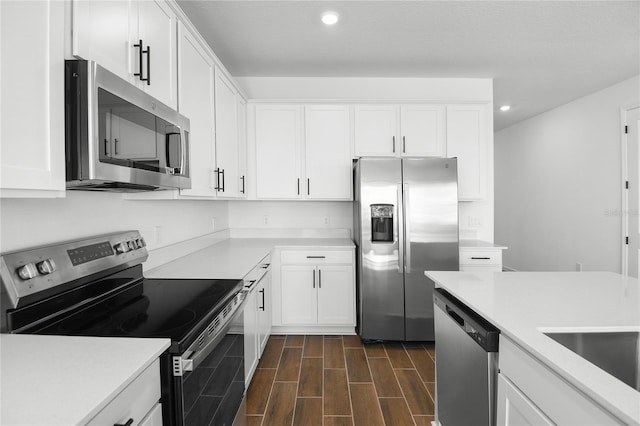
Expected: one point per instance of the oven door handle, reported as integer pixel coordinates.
(190, 359)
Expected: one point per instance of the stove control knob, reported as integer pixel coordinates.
(141, 242)
(133, 245)
(46, 266)
(27, 271)
(121, 247)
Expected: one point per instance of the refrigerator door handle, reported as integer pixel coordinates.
(407, 223)
(399, 228)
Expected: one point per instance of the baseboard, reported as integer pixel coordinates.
(314, 330)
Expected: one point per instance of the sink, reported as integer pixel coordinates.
(616, 352)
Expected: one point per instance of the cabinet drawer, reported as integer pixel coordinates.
(316, 257)
(135, 401)
(481, 257)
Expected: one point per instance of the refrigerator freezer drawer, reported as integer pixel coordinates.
(316, 256)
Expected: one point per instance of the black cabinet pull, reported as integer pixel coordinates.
(106, 147)
(222, 173)
(128, 423)
(115, 146)
(314, 279)
(319, 278)
(148, 52)
(404, 145)
(308, 186)
(315, 257)
(140, 52)
(262, 307)
(242, 179)
(481, 258)
(394, 144)
(298, 186)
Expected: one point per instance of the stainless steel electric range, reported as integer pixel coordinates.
(96, 287)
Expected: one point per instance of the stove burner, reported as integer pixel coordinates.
(182, 319)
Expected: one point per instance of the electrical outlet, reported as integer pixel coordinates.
(265, 220)
(578, 267)
(475, 222)
(325, 220)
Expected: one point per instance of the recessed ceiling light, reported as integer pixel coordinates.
(505, 107)
(329, 18)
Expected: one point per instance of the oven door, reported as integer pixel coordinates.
(211, 386)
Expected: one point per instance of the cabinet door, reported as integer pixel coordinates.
(196, 72)
(327, 152)
(298, 294)
(250, 335)
(335, 295)
(106, 41)
(466, 139)
(376, 130)
(278, 139)
(264, 312)
(422, 128)
(226, 137)
(515, 409)
(32, 101)
(242, 146)
(157, 30)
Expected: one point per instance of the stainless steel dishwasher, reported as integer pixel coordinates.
(466, 364)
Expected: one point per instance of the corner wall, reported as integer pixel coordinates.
(556, 177)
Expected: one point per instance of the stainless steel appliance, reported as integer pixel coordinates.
(406, 222)
(118, 138)
(466, 364)
(95, 287)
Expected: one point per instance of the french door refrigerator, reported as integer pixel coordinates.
(406, 222)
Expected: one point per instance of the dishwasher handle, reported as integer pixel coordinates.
(457, 318)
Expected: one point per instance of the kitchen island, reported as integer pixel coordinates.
(526, 305)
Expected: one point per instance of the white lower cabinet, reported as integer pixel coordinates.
(257, 316)
(529, 393)
(315, 291)
(136, 403)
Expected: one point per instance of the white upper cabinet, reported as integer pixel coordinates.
(114, 43)
(278, 136)
(376, 130)
(467, 140)
(242, 146)
(327, 152)
(32, 160)
(196, 87)
(303, 152)
(422, 131)
(227, 152)
(400, 130)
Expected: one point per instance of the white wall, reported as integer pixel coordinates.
(557, 175)
(31, 222)
(291, 215)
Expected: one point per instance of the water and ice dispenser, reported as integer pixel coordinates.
(382, 223)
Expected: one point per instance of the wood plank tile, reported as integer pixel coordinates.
(308, 412)
(281, 404)
(310, 377)
(313, 346)
(333, 353)
(423, 420)
(336, 392)
(395, 411)
(431, 387)
(254, 420)
(398, 356)
(289, 367)
(338, 421)
(366, 408)
(431, 348)
(294, 341)
(415, 392)
(271, 355)
(259, 389)
(424, 363)
(384, 378)
(332, 336)
(357, 367)
(352, 341)
(375, 350)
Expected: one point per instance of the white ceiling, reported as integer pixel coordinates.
(541, 54)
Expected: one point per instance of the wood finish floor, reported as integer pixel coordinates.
(337, 381)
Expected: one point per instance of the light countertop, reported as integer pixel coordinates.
(63, 380)
(234, 258)
(481, 245)
(524, 304)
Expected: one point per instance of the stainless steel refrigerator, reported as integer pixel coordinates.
(406, 222)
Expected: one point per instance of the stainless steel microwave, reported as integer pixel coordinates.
(118, 138)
